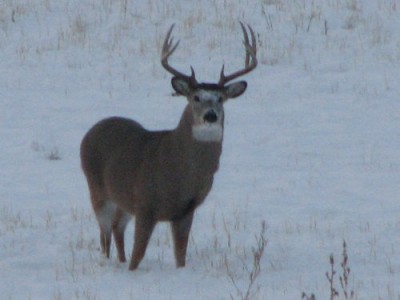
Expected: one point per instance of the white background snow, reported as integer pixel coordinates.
(312, 148)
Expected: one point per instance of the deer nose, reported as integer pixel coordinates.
(210, 117)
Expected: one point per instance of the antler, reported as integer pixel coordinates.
(168, 48)
(250, 60)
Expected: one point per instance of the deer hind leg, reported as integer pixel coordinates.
(105, 216)
(144, 226)
(180, 233)
(104, 211)
(121, 219)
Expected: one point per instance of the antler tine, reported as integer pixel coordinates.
(250, 58)
(245, 42)
(254, 45)
(168, 48)
(252, 48)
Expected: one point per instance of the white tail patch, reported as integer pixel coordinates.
(106, 215)
(207, 132)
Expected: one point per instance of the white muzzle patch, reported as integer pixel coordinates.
(207, 132)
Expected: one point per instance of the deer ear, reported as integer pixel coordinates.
(235, 89)
(181, 86)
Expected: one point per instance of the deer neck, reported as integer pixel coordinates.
(199, 152)
(200, 135)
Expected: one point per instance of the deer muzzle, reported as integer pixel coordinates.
(210, 117)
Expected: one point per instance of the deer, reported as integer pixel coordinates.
(160, 176)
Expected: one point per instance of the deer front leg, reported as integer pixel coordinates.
(180, 232)
(144, 226)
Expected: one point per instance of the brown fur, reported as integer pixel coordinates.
(163, 175)
(156, 176)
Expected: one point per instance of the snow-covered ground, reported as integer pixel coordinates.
(312, 148)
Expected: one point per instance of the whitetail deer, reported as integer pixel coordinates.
(160, 175)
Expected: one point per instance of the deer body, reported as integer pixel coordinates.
(169, 168)
(157, 175)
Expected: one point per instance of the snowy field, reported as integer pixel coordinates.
(311, 149)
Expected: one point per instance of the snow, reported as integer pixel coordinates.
(311, 148)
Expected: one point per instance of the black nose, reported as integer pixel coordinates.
(210, 117)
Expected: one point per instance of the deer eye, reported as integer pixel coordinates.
(196, 98)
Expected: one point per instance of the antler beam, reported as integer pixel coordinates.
(168, 48)
(250, 59)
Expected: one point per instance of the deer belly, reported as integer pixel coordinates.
(181, 211)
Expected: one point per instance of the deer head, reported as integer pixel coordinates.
(206, 99)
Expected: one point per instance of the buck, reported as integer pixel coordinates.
(160, 175)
